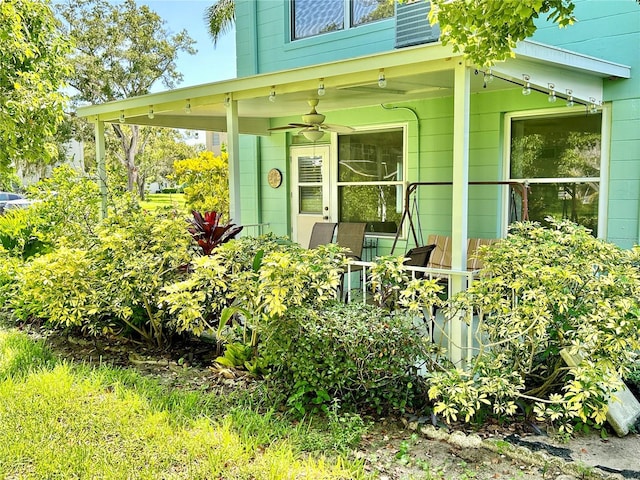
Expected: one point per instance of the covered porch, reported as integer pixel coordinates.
(397, 79)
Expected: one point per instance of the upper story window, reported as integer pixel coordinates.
(314, 17)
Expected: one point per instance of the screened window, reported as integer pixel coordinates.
(370, 179)
(560, 156)
(311, 17)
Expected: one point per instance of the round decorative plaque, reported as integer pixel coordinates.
(274, 177)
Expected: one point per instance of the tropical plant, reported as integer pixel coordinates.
(220, 17)
(545, 292)
(208, 233)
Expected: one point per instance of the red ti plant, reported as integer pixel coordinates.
(207, 231)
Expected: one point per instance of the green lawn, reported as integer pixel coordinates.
(59, 420)
(160, 200)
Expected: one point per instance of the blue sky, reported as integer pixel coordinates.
(210, 64)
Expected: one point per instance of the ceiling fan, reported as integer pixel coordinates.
(313, 126)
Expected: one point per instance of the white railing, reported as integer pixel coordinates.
(459, 335)
(254, 229)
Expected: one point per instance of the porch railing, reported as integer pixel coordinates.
(254, 229)
(458, 336)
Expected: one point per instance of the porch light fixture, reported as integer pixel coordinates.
(552, 93)
(570, 102)
(122, 117)
(382, 81)
(321, 90)
(526, 90)
(187, 107)
(272, 95)
(150, 114)
(312, 135)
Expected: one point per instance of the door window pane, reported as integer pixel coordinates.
(367, 11)
(564, 148)
(311, 17)
(309, 169)
(310, 199)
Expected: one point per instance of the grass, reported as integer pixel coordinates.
(59, 420)
(154, 201)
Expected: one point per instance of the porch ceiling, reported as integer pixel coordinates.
(420, 72)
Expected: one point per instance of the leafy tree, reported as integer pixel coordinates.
(207, 180)
(487, 31)
(122, 50)
(33, 68)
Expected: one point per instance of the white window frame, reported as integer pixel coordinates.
(603, 179)
(402, 183)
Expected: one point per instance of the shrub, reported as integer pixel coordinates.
(21, 233)
(195, 303)
(113, 287)
(68, 207)
(544, 291)
(359, 354)
(58, 288)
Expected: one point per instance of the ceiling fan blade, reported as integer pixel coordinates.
(290, 126)
(336, 128)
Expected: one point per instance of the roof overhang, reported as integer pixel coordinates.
(413, 73)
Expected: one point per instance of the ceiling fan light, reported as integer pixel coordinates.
(312, 135)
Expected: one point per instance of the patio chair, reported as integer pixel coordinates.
(322, 234)
(351, 236)
(419, 257)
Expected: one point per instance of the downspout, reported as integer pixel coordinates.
(417, 123)
(258, 204)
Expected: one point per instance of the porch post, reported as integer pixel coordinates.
(101, 166)
(460, 203)
(233, 150)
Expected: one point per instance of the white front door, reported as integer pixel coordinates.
(311, 202)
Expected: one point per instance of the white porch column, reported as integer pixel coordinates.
(101, 166)
(233, 150)
(460, 205)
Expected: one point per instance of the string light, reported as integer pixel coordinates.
(187, 107)
(122, 117)
(552, 93)
(487, 78)
(150, 114)
(526, 89)
(321, 90)
(593, 107)
(570, 102)
(227, 101)
(382, 81)
(272, 95)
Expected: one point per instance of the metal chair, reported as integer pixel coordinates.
(351, 236)
(322, 234)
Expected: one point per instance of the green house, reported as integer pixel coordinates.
(413, 134)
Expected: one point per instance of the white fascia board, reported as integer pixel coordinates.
(566, 70)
